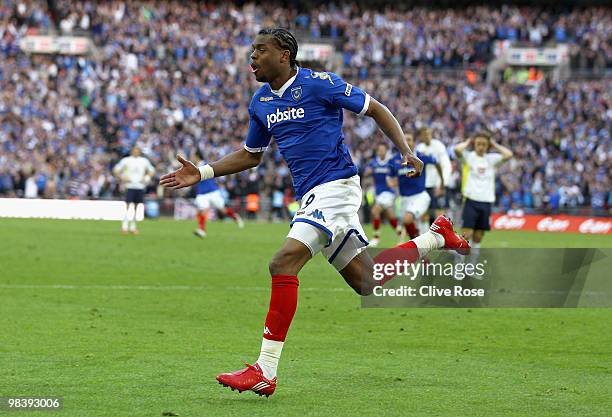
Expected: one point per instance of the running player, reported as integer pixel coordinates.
(434, 183)
(414, 198)
(207, 196)
(384, 203)
(303, 111)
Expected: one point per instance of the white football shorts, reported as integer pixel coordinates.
(386, 199)
(417, 204)
(328, 221)
(214, 199)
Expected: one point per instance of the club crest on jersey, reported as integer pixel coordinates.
(322, 76)
(296, 93)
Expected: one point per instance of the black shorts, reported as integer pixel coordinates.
(476, 215)
(134, 195)
(436, 202)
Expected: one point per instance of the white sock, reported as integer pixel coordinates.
(126, 218)
(269, 356)
(130, 215)
(422, 226)
(428, 241)
(475, 252)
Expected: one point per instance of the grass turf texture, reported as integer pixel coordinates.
(140, 325)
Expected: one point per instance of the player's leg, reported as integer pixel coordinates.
(125, 223)
(428, 217)
(231, 213)
(376, 211)
(414, 207)
(357, 266)
(390, 214)
(482, 224)
(137, 204)
(303, 241)
(130, 211)
(284, 267)
(477, 236)
(409, 224)
(386, 201)
(201, 217)
(202, 202)
(130, 215)
(475, 244)
(469, 217)
(218, 202)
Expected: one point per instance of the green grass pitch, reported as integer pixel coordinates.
(140, 325)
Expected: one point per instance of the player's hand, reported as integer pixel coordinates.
(412, 160)
(185, 176)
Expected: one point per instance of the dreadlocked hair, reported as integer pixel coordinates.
(285, 40)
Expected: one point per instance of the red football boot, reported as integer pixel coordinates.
(444, 227)
(249, 378)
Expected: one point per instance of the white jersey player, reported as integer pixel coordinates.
(434, 183)
(479, 183)
(134, 172)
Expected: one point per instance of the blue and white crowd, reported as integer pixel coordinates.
(167, 75)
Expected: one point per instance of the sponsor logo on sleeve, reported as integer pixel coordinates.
(349, 88)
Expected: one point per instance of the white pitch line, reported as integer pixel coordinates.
(201, 288)
(149, 287)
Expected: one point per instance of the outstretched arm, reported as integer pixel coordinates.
(189, 174)
(391, 127)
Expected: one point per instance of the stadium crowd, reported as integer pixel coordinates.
(168, 75)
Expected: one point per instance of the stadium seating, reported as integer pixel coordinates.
(168, 75)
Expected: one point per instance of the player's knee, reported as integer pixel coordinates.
(362, 283)
(284, 261)
(477, 236)
(276, 263)
(367, 287)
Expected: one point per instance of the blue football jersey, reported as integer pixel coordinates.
(305, 118)
(206, 186)
(410, 186)
(381, 169)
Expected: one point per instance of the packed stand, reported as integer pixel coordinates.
(168, 76)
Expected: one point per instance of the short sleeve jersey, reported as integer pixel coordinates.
(305, 118)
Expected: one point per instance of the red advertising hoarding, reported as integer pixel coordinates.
(553, 223)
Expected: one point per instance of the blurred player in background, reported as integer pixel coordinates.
(134, 173)
(303, 111)
(414, 198)
(479, 184)
(380, 169)
(208, 195)
(434, 182)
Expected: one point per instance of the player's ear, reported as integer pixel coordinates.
(285, 56)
